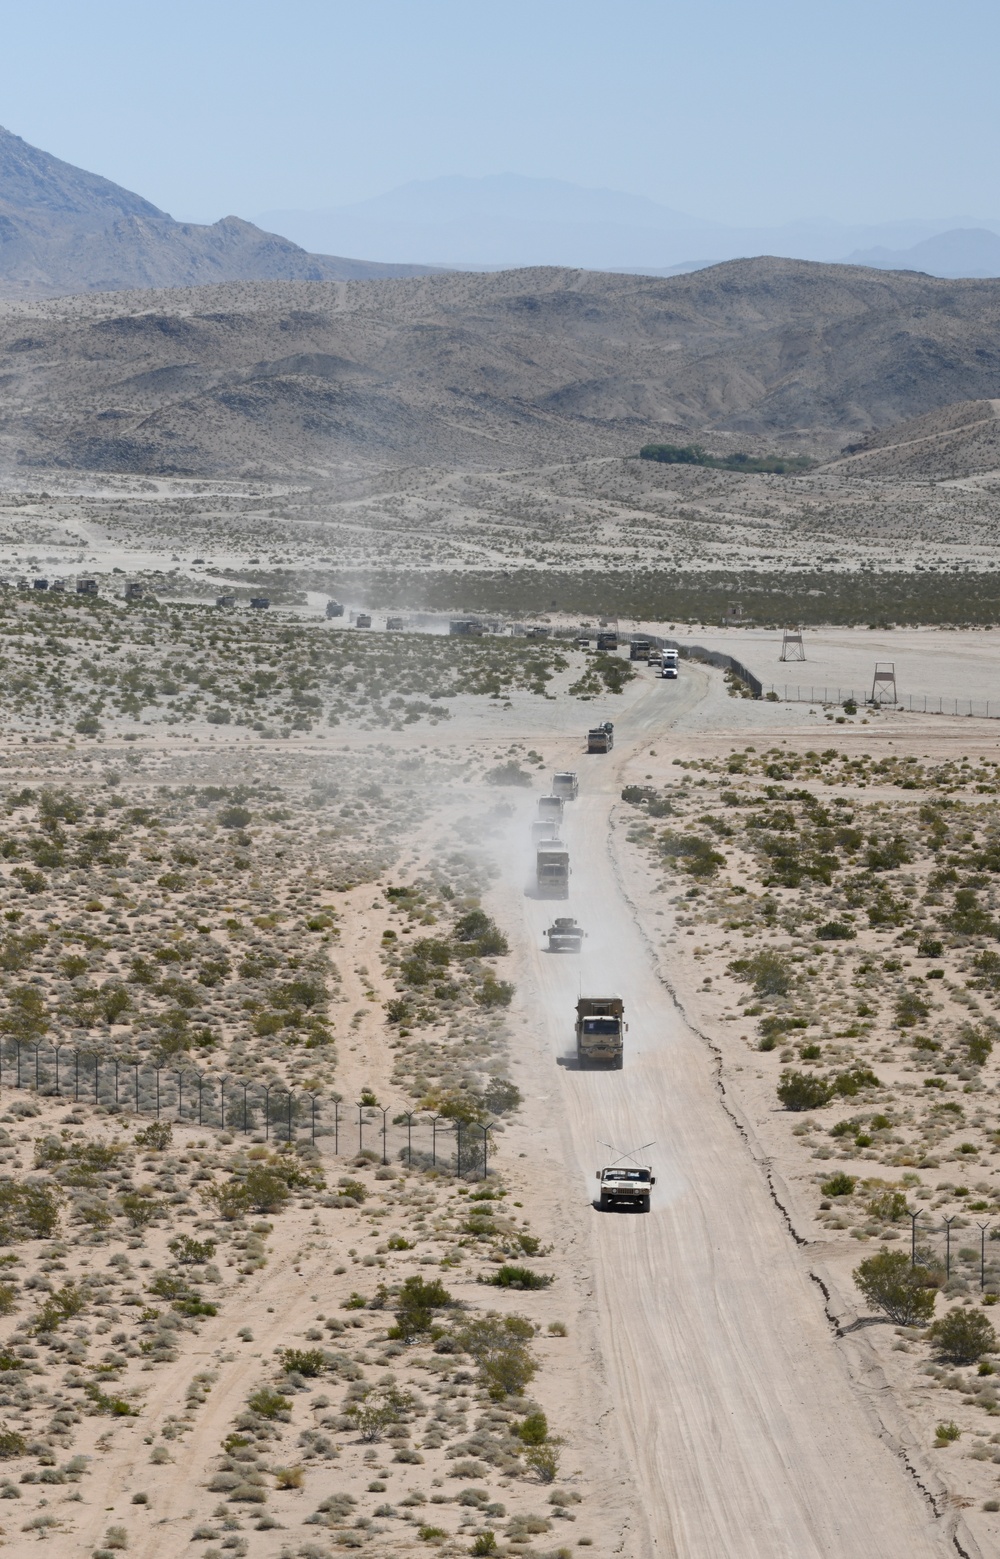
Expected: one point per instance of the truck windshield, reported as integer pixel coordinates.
(600, 1025)
(626, 1174)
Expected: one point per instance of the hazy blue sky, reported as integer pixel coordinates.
(741, 110)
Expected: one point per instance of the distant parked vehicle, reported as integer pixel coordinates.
(86, 587)
(39, 584)
(260, 603)
(395, 624)
(334, 609)
(363, 620)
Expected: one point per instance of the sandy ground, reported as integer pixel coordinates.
(708, 1407)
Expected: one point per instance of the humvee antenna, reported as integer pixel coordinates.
(611, 1148)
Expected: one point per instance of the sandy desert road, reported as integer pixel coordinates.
(747, 1437)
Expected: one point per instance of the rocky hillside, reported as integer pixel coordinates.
(63, 230)
(519, 368)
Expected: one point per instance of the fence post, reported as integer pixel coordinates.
(116, 1082)
(290, 1114)
(947, 1248)
(312, 1101)
(37, 1049)
(246, 1126)
(486, 1138)
(434, 1140)
(157, 1071)
(409, 1136)
(267, 1111)
(361, 1122)
(913, 1236)
(135, 1068)
(180, 1096)
(76, 1090)
(97, 1074)
(458, 1153)
(56, 1049)
(201, 1087)
(336, 1126)
(17, 1042)
(982, 1252)
(222, 1091)
(385, 1129)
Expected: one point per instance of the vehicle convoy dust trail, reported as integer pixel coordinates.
(734, 1405)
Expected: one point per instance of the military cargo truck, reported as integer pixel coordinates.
(639, 649)
(550, 806)
(607, 641)
(564, 935)
(566, 785)
(552, 869)
(544, 828)
(600, 1031)
(601, 738)
(334, 609)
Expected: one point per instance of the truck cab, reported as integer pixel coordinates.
(625, 1186)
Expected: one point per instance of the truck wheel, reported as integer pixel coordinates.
(644, 1204)
(619, 1063)
(605, 1202)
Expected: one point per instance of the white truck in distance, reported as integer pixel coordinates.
(669, 666)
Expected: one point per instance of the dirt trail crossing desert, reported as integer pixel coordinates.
(745, 1433)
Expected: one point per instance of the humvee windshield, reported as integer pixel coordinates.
(626, 1174)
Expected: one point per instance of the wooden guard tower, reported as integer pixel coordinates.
(884, 683)
(792, 647)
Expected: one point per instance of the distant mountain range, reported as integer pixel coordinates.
(63, 230)
(66, 231)
(507, 220)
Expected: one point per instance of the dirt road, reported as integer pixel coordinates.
(730, 1398)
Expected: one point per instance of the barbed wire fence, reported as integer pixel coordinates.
(230, 1102)
(970, 1252)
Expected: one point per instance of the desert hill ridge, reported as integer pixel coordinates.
(64, 230)
(507, 369)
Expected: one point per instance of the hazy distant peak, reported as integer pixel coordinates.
(35, 182)
(963, 251)
(517, 197)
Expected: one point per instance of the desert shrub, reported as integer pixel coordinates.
(501, 1096)
(851, 1082)
(933, 947)
(534, 1428)
(355, 1189)
(484, 1544)
(886, 854)
(963, 1336)
(398, 1010)
(695, 854)
(839, 1185)
(415, 1307)
(835, 931)
(380, 1407)
(978, 1045)
(518, 1277)
(910, 1008)
(191, 1252)
(495, 993)
(509, 773)
(304, 1361)
(234, 817)
(888, 1206)
(12, 1444)
(802, 1091)
(543, 1461)
(890, 1284)
(267, 1403)
(947, 1433)
(498, 1345)
(769, 972)
(28, 1211)
(140, 1208)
